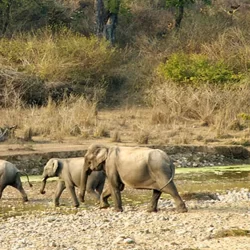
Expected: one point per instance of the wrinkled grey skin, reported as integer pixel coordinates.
(10, 175)
(69, 172)
(135, 167)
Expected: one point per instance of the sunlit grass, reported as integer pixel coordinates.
(37, 178)
(213, 169)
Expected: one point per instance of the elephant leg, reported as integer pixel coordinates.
(18, 185)
(59, 189)
(116, 196)
(154, 201)
(115, 187)
(104, 197)
(121, 187)
(2, 187)
(72, 192)
(172, 190)
(93, 193)
(99, 188)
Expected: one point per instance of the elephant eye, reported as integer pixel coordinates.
(89, 162)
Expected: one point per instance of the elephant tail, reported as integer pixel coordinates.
(23, 173)
(172, 167)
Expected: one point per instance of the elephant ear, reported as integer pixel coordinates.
(55, 165)
(100, 155)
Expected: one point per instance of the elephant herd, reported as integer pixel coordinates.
(134, 167)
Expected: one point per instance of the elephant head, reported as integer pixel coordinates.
(50, 170)
(94, 161)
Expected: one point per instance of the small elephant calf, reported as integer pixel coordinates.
(69, 172)
(10, 175)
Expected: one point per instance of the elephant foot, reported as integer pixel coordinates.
(152, 210)
(117, 209)
(77, 205)
(56, 203)
(25, 199)
(182, 209)
(104, 206)
(81, 198)
(104, 203)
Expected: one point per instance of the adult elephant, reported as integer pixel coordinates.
(10, 175)
(69, 172)
(136, 167)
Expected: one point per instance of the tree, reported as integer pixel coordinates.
(180, 5)
(5, 8)
(107, 18)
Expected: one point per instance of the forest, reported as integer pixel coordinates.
(185, 61)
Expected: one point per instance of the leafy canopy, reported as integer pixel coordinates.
(179, 3)
(112, 5)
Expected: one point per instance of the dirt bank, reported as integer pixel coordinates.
(31, 157)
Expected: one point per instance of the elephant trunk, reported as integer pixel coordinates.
(84, 178)
(42, 191)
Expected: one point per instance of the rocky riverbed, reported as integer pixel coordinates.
(221, 221)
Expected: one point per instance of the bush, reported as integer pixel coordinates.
(57, 61)
(195, 68)
(233, 47)
(66, 57)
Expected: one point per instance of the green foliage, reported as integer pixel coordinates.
(178, 3)
(125, 10)
(195, 68)
(64, 57)
(112, 5)
(24, 15)
(244, 116)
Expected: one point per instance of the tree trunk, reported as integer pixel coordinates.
(106, 21)
(7, 19)
(110, 28)
(100, 17)
(180, 14)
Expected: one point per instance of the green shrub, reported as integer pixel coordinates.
(61, 62)
(195, 68)
(64, 57)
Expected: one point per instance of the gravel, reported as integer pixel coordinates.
(93, 229)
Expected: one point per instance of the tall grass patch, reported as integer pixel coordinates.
(73, 116)
(41, 64)
(209, 105)
(63, 118)
(61, 57)
(233, 47)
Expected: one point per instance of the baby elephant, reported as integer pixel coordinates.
(10, 175)
(69, 172)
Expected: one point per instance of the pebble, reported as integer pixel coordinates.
(135, 228)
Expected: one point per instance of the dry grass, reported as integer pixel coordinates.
(179, 115)
(211, 106)
(70, 117)
(101, 131)
(233, 47)
(116, 137)
(142, 137)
